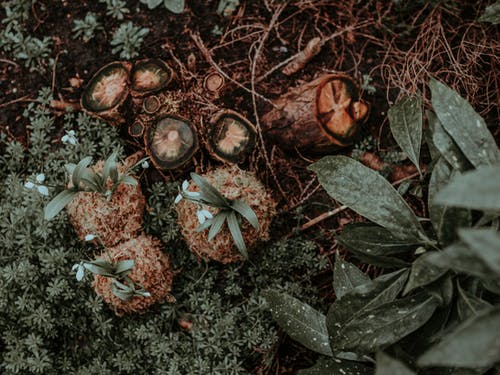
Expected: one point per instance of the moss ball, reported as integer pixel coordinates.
(233, 183)
(151, 270)
(113, 221)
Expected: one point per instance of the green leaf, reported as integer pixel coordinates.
(423, 273)
(91, 180)
(210, 193)
(175, 6)
(58, 203)
(365, 297)
(244, 210)
(468, 305)
(234, 228)
(124, 265)
(334, 366)
(78, 171)
(473, 344)
(386, 324)
(110, 168)
(98, 270)
(346, 277)
(152, 3)
(217, 223)
(445, 144)
(300, 321)
(204, 226)
(485, 244)
(445, 220)
(390, 366)
(464, 125)
(405, 119)
(491, 13)
(368, 193)
(128, 180)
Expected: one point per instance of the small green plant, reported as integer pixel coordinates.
(84, 179)
(227, 7)
(443, 309)
(367, 86)
(87, 27)
(175, 6)
(230, 211)
(127, 40)
(116, 8)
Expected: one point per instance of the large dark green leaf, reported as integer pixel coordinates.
(58, 203)
(445, 144)
(389, 366)
(468, 305)
(464, 125)
(485, 243)
(491, 13)
(334, 366)
(363, 298)
(405, 119)
(473, 344)
(423, 273)
(386, 324)
(478, 189)
(346, 277)
(445, 220)
(368, 193)
(302, 323)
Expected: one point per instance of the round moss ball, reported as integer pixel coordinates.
(151, 270)
(233, 183)
(113, 221)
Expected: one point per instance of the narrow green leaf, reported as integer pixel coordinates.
(98, 270)
(334, 366)
(128, 180)
(58, 203)
(346, 277)
(80, 167)
(368, 193)
(124, 265)
(204, 226)
(485, 243)
(300, 321)
(389, 366)
(423, 273)
(472, 344)
(445, 144)
(91, 180)
(217, 223)
(445, 220)
(234, 228)
(491, 13)
(365, 297)
(212, 195)
(244, 210)
(386, 324)
(477, 190)
(464, 125)
(70, 167)
(109, 164)
(468, 305)
(405, 119)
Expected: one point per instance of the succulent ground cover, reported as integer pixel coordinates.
(355, 223)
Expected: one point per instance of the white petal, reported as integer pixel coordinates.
(145, 165)
(185, 185)
(65, 139)
(178, 198)
(73, 141)
(192, 194)
(75, 266)
(146, 294)
(207, 214)
(201, 217)
(29, 185)
(43, 190)
(40, 178)
(89, 237)
(71, 133)
(80, 273)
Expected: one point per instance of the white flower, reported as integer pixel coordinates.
(89, 237)
(40, 178)
(43, 190)
(70, 138)
(203, 215)
(145, 164)
(29, 185)
(178, 198)
(192, 194)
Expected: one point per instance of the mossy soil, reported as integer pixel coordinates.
(250, 33)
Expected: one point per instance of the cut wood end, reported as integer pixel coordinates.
(150, 76)
(213, 82)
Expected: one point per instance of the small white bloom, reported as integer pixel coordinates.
(80, 273)
(146, 294)
(185, 185)
(29, 185)
(69, 137)
(40, 178)
(43, 190)
(89, 237)
(145, 164)
(178, 198)
(203, 215)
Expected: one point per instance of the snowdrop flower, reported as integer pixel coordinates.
(80, 271)
(69, 137)
(203, 215)
(89, 237)
(42, 189)
(186, 192)
(145, 164)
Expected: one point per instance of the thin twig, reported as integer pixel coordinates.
(25, 98)
(321, 217)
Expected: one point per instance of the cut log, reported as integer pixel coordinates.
(318, 117)
(150, 76)
(231, 137)
(171, 142)
(107, 91)
(136, 129)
